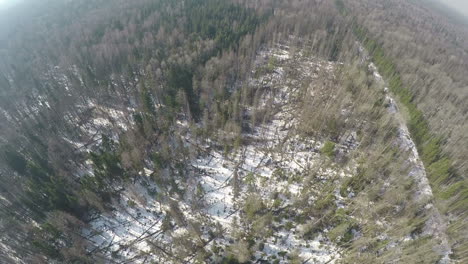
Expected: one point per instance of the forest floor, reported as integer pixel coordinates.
(269, 167)
(254, 199)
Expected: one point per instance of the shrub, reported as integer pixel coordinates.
(253, 204)
(328, 149)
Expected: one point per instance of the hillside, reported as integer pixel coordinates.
(230, 131)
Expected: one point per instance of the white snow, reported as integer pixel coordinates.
(273, 147)
(124, 230)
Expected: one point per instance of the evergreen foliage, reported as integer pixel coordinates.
(441, 173)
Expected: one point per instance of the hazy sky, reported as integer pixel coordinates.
(460, 5)
(4, 3)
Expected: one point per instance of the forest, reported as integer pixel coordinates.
(233, 131)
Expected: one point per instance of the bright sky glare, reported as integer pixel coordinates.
(4, 3)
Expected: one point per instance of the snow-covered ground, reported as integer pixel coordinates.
(267, 164)
(125, 230)
(276, 148)
(258, 163)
